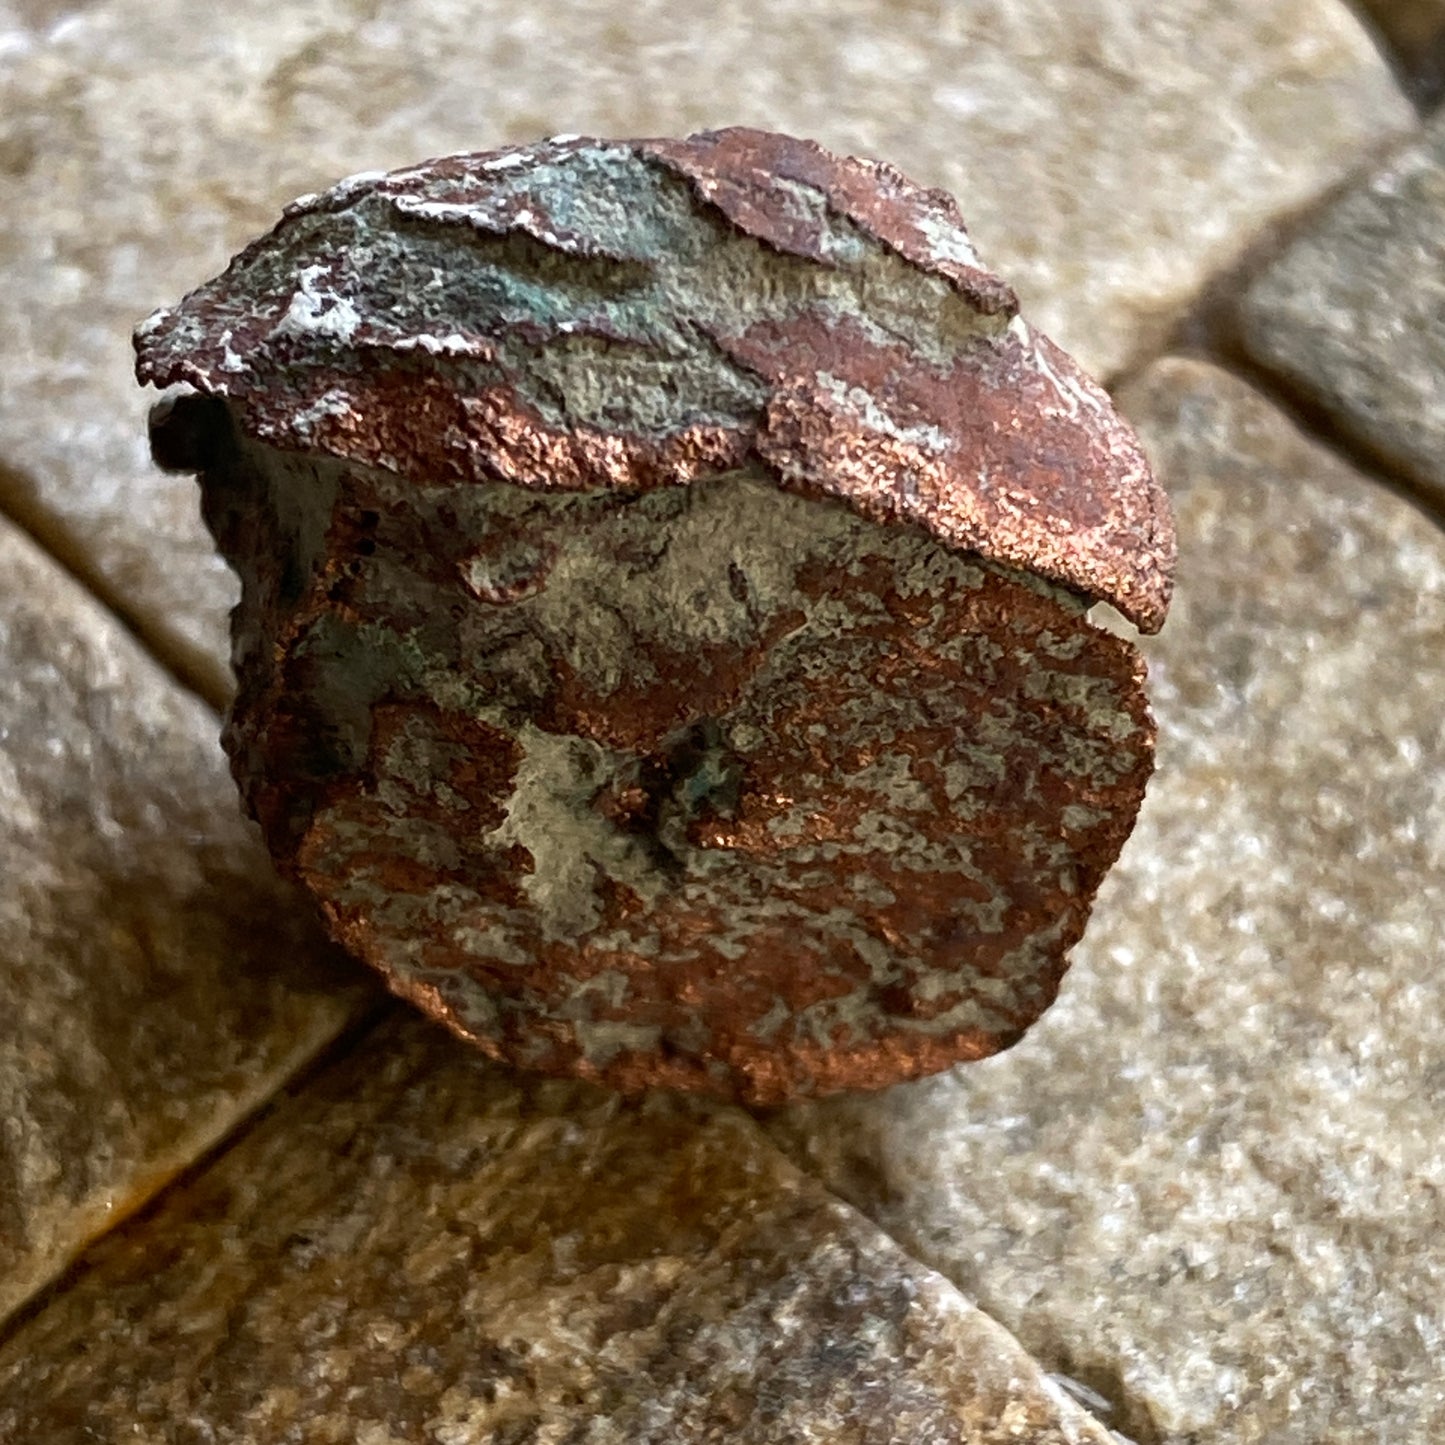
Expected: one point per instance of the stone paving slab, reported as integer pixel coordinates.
(422, 1246)
(1209, 1182)
(1353, 312)
(157, 982)
(1110, 154)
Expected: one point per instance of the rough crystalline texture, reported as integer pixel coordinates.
(663, 646)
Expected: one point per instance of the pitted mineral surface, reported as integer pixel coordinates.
(663, 647)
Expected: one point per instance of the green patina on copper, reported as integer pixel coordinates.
(661, 649)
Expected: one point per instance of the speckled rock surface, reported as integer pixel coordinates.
(156, 983)
(662, 645)
(1208, 1183)
(1353, 313)
(1109, 154)
(422, 1248)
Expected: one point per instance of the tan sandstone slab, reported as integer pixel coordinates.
(157, 982)
(422, 1246)
(1209, 1182)
(1353, 312)
(1110, 154)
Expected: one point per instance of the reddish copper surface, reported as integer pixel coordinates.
(1038, 470)
(1004, 467)
(656, 682)
(738, 170)
(727, 1014)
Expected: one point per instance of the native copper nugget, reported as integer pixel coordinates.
(662, 648)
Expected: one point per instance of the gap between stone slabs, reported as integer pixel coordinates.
(159, 982)
(1211, 332)
(1412, 36)
(1351, 313)
(194, 668)
(424, 1245)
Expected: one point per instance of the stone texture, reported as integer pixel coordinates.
(424, 1247)
(1109, 155)
(157, 982)
(635, 677)
(22, 22)
(1353, 312)
(1208, 1183)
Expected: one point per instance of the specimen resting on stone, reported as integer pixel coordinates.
(662, 648)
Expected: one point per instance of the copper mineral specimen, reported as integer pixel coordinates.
(663, 647)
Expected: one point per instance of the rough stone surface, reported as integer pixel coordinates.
(423, 1248)
(1208, 1183)
(157, 983)
(23, 22)
(1110, 155)
(645, 695)
(1353, 312)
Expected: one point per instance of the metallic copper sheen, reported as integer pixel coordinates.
(663, 649)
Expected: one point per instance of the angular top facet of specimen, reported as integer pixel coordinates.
(662, 648)
(751, 297)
